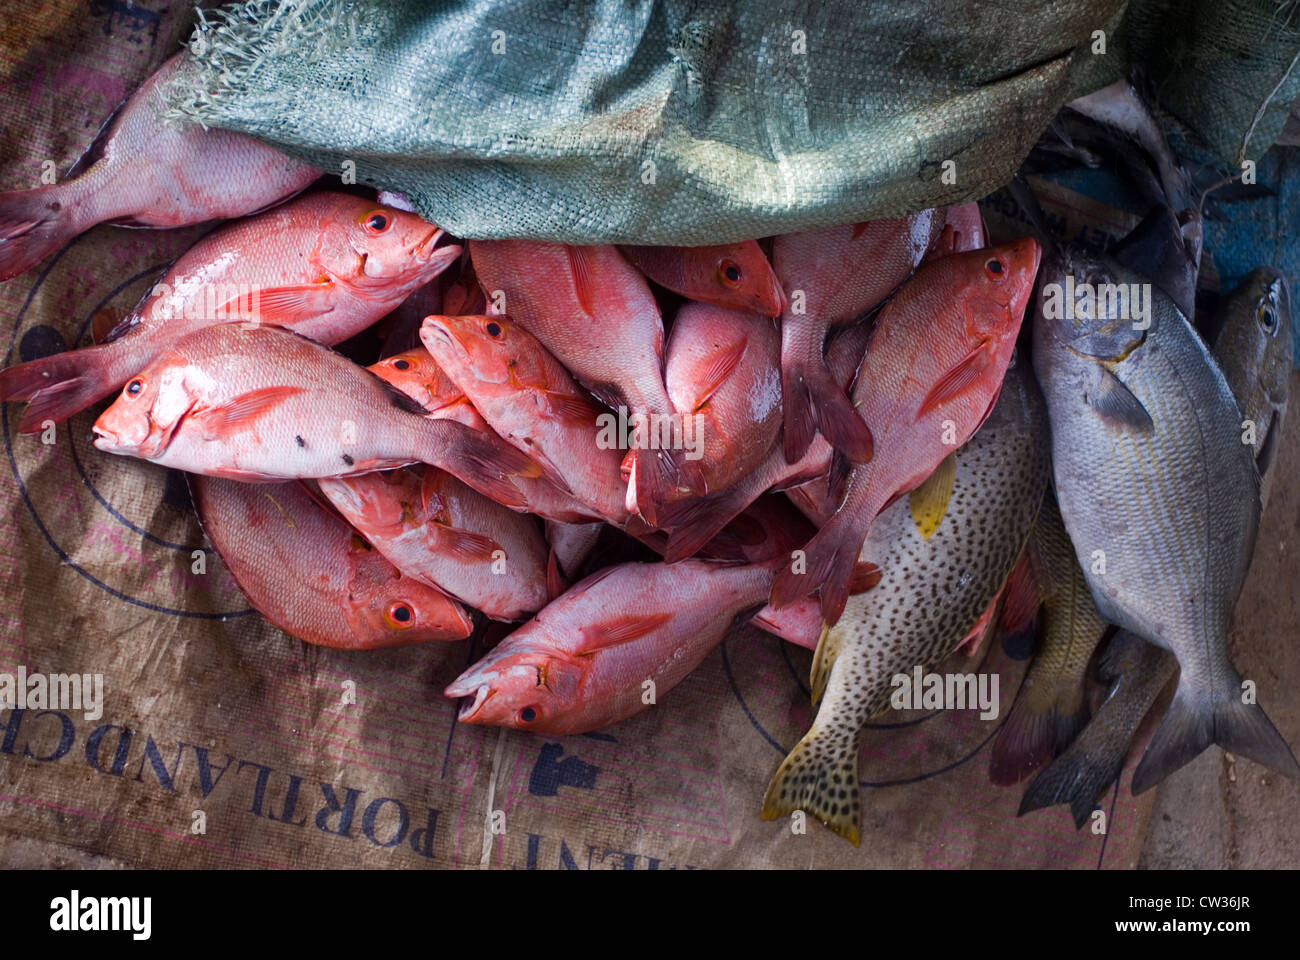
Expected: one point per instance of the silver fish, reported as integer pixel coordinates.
(1158, 492)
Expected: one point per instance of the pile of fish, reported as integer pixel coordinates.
(851, 438)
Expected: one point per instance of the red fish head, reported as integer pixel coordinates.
(384, 607)
(998, 282)
(146, 415)
(418, 376)
(523, 689)
(366, 245)
(738, 276)
(488, 347)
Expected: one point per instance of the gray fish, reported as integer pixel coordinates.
(1050, 708)
(1158, 492)
(1136, 672)
(1252, 340)
(944, 553)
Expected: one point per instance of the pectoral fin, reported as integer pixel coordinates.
(1117, 405)
(286, 305)
(241, 411)
(929, 501)
(962, 377)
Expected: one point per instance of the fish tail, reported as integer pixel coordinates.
(60, 385)
(820, 776)
(1197, 718)
(31, 228)
(1037, 729)
(1077, 777)
(814, 401)
(693, 523)
(826, 563)
(484, 461)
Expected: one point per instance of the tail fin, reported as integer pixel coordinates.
(1042, 723)
(30, 230)
(660, 476)
(482, 460)
(1076, 777)
(693, 523)
(820, 776)
(828, 563)
(814, 401)
(1197, 718)
(59, 385)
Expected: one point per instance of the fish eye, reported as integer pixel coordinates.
(399, 615)
(527, 715)
(376, 222)
(730, 272)
(402, 364)
(995, 268)
(135, 387)
(493, 329)
(1267, 317)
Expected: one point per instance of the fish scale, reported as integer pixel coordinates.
(932, 592)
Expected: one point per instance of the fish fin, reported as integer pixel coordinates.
(1040, 726)
(59, 385)
(623, 629)
(929, 501)
(656, 472)
(716, 371)
(866, 576)
(484, 461)
(287, 305)
(1269, 447)
(983, 628)
(693, 523)
(828, 648)
(1020, 599)
(465, 546)
(1195, 719)
(1077, 777)
(584, 278)
(829, 560)
(965, 375)
(819, 776)
(814, 401)
(554, 579)
(238, 412)
(29, 230)
(570, 408)
(1117, 405)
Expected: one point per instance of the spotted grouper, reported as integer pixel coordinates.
(944, 552)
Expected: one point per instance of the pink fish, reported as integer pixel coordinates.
(532, 402)
(584, 661)
(309, 574)
(594, 312)
(723, 372)
(262, 403)
(327, 265)
(938, 355)
(436, 530)
(832, 277)
(144, 172)
(734, 275)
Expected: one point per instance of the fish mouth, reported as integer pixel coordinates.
(471, 702)
(105, 439)
(434, 329)
(426, 247)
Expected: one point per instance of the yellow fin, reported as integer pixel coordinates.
(820, 776)
(823, 660)
(929, 501)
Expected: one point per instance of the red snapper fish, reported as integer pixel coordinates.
(724, 371)
(831, 277)
(938, 355)
(532, 402)
(595, 314)
(142, 171)
(308, 573)
(583, 662)
(437, 530)
(256, 402)
(326, 265)
(733, 275)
